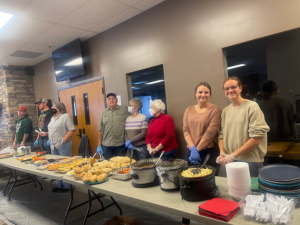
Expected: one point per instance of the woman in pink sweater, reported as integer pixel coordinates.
(200, 127)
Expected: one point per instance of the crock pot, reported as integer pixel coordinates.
(167, 174)
(196, 189)
(144, 177)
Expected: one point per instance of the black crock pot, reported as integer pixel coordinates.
(194, 189)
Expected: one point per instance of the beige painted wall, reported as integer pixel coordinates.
(187, 37)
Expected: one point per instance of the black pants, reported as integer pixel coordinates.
(214, 153)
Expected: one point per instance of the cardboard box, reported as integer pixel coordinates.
(118, 220)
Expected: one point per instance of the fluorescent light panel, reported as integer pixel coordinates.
(236, 66)
(74, 62)
(157, 81)
(4, 18)
(58, 71)
(141, 82)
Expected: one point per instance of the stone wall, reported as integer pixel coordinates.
(16, 89)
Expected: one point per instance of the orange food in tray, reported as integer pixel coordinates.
(124, 171)
(53, 167)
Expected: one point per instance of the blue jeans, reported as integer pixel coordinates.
(64, 150)
(112, 151)
(142, 154)
(43, 145)
(167, 155)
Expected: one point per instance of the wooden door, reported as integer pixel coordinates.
(89, 101)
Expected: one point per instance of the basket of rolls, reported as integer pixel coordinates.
(90, 175)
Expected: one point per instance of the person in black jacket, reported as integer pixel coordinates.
(44, 120)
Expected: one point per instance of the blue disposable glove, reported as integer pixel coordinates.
(130, 146)
(127, 143)
(99, 150)
(194, 157)
(36, 143)
(48, 143)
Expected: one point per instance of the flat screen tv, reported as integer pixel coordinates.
(68, 62)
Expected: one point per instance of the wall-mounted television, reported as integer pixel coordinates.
(68, 62)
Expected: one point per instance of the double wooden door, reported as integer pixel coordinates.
(84, 103)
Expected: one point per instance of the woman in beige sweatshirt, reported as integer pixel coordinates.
(243, 131)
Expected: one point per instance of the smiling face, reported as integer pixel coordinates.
(202, 94)
(232, 90)
(112, 101)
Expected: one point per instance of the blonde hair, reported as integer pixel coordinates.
(137, 103)
(159, 105)
(233, 78)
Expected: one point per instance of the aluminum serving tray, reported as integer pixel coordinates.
(118, 176)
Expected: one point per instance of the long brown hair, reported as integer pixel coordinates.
(205, 85)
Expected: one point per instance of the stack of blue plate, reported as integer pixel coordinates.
(280, 179)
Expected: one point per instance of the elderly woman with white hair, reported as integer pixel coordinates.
(161, 132)
(136, 128)
(60, 131)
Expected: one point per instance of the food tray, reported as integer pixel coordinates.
(118, 176)
(106, 179)
(8, 156)
(273, 214)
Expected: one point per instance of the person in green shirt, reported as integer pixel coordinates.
(23, 129)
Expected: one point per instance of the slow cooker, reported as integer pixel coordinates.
(196, 189)
(144, 176)
(167, 174)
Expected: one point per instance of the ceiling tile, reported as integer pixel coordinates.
(92, 13)
(36, 48)
(129, 2)
(12, 6)
(23, 29)
(7, 47)
(39, 59)
(52, 11)
(16, 61)
(147, 4)
(87, 35)
(57, 35)
(127, 14)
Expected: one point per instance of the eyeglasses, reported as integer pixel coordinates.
(111, 99)
(20, 111)
(228, 88)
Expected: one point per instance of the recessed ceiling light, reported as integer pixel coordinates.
(74, 62)
(154, 82)
(4, 18)
(232, 67)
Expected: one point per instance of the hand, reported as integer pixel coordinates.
(194, 157)
(36, 143)
(99, 150)
(22, 144)
(43, 134)
(14, 145)
(220, 159)
(130, 146)
(127, 143)
(48, 143)
(228, 158)
(152, 152)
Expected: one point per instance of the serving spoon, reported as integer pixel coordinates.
(197, 170)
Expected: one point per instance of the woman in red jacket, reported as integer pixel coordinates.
(161, 132)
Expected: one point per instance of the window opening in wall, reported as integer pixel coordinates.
(86, 109)
(147, 85)
(74, 111)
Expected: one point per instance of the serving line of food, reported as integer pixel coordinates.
(181, 190)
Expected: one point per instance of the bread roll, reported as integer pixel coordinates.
(94, 179)
(77, 176)
(77, 170)
(104, 175)
(99, 178)
(82, 174)
(114, 166)
(86, 179)
(95, 172)
(108, 165)
(86, 167)
(95, 164)
(101, 165)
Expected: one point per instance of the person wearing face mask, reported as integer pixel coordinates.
(243, 131)
(60, 131)
(136, 128)
(161, 132)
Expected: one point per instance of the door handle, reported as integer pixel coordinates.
(79, 135)
(83, 131)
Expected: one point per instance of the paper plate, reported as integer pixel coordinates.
(106, 179)
(280, 172)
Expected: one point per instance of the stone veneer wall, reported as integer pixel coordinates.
(16, 89)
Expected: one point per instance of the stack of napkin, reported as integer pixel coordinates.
(218, 208)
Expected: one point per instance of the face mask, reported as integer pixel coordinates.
(53, 110)
(130, 109)
(151, 111)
